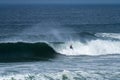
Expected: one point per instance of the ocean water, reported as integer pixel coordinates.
(60, 42)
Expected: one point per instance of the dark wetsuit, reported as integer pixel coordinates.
(71, 47)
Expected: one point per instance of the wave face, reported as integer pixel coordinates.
(25, 51)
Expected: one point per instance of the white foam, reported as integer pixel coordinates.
(94, 47)
(65, 75)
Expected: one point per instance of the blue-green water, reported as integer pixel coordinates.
(60, 42)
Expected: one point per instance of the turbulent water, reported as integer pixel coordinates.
(60, 42)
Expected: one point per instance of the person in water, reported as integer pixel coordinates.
(71, 47)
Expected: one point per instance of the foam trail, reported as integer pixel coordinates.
(94, 47)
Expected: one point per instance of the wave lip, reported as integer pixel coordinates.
(21, 51)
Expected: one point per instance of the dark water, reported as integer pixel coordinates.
(35, 42)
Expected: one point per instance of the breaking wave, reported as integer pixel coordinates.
(91, 44)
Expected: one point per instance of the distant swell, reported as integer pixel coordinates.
(25, 52)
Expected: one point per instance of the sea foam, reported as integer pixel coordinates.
(65, 75)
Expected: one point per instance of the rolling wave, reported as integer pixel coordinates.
(91, 44)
